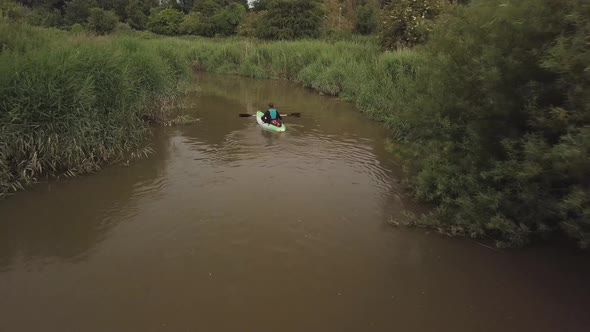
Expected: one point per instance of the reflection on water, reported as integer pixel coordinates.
(64, 220)
(228, 227)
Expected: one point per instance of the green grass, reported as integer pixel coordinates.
(71, 102)
(356, 71)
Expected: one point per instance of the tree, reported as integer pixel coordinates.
(47, 4)
(244, 3)
(499, 114)
(366, 19)
(192, 24)
(135, 12)
(260, 5)
(207, 8)
(13, 11)
(218, 17)
(102, 21)
(77, 11)
(174, 4)
(165, 21)
(226, 21)
(44, 17)
(185, 5)
(250, 23)
(406, 23)
(291, 19)
(117, 6)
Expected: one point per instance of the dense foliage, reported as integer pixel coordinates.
(497, 121)
(165, 21)
(366, 19)
(102, 21)
(265, 19)
(409, 22)
(290, 19)
(68, 105)
(203, 17)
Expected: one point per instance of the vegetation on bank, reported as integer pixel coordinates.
(496, 122)
(491, 113)
(265, 19)
(71, 102)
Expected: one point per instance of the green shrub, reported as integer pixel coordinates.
(123, 28)
(192, 24)
(165, 21)
(77, 28)
(497, 120)
(136, 17)
(226, 20)
(207, 8)
(78, 11)
(102, 21)
(291, 19)
(13, 11)
(261, 5)
(408, 22)
(250, 23)
(366, 19)
(46, 18)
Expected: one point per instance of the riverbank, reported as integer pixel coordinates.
(72, 102)
(493, 131)
(75, 101)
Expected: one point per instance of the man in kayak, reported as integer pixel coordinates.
(272, 116)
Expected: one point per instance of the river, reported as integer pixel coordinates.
(227, 227)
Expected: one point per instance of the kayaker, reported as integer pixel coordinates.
(272, 116)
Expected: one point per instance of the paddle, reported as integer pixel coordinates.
(245, 115)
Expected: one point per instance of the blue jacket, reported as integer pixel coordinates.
(271, 114)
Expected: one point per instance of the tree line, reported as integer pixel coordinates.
(398, 23)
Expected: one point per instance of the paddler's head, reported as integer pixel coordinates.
(271, 105)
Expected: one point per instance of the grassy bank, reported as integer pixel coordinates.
(354, 70)
(71, 102)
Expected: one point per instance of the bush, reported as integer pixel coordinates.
(165, 21)
(123, 28)
(45, 18)
(137, 20)
(250, 23)
(498, 120)
(78, 11)
(12, 11)
(191, 24)
(226, 21)
(261, 5)
(207, 8)
(77, 28)
(408, 22)
(291, 19)
(366, 19)
(102, 21)
(136, 17)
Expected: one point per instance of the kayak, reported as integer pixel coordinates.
(268, 126)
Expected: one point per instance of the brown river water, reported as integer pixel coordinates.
(228, 227)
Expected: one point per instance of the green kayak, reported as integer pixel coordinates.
(267, 126)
